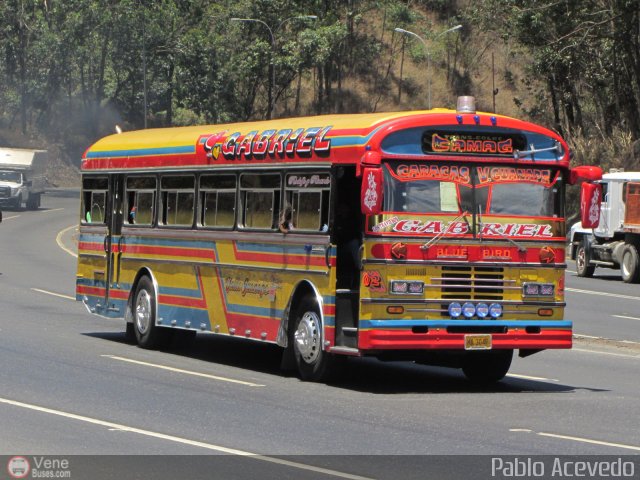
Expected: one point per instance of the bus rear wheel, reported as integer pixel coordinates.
(148, 334)
(486, 368)
(312, 362)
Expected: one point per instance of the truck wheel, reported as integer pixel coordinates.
(486, 368)
(313, 363)
(629, 265)
(148, 334)
(582, 261)
(33, 202)
(18, 202)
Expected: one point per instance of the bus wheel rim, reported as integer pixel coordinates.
(307, 337)
(143, 311)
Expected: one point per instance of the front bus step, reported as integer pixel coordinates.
(347, 318)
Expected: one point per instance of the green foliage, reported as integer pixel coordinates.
(70, 70)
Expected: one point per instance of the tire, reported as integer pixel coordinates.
(18, 202)
(148, 334)
(34, 202)
(629, 268)
(312, 362)
(486, 368)
(582, 260)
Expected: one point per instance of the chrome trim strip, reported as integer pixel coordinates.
(488, 280)
(224, 265)
(474, 287)
(92, 255)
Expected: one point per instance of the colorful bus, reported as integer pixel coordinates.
(431, 236)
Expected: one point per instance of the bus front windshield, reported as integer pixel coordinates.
(473, 190)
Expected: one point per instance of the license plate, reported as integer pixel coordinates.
(477, 342)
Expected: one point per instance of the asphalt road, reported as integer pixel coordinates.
(71, 385)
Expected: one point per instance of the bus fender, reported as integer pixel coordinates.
(303, 288)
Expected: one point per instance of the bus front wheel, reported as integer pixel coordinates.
(485, 368)
(312, 362)
(148, 334)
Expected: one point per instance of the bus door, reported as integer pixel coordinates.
(347, 236)
(113, 240)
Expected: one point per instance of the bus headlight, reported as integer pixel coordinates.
(482, 310)
(532, 289)
(455, 310)
(495, 310)
(468, 309)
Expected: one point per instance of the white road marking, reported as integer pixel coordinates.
(624, 316)
(10, 218)
(179, 370)
(52, 210)
(589, 440)
(61, 245)
(598, 352)
(571, 271)
(526, 430)
(527, 377)
(184, 441)
(604, 294)
(577, 335)
(54, 294)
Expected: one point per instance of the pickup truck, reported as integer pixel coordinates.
(18, 182)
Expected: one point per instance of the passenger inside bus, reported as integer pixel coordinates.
(286, 219)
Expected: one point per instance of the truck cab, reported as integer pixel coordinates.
(612, 243)
(16, 189)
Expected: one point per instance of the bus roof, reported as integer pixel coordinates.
(325, 139)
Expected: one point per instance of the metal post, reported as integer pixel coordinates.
(426, 49)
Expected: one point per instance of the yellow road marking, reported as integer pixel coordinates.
(61, 245)
(184, 441)
(54, 294)
(187, 372)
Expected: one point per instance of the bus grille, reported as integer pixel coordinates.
(471, 283)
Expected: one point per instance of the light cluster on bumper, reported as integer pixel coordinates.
(470, 310)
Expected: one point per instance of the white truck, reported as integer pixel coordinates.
(19, 182)
(614, 240)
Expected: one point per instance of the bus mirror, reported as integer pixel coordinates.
(590, 199)
(369, 159)
(584, 173)
(371, 191)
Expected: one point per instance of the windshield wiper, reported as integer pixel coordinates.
(481, 225)
(437, 238)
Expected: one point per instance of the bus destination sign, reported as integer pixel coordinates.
(475, 143)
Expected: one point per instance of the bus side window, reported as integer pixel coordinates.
(260, 200)
(178, 200)
(307, 194)
(140, 197)
(94, 200)
(217, 201)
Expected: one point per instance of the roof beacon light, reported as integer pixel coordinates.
(466, 104)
